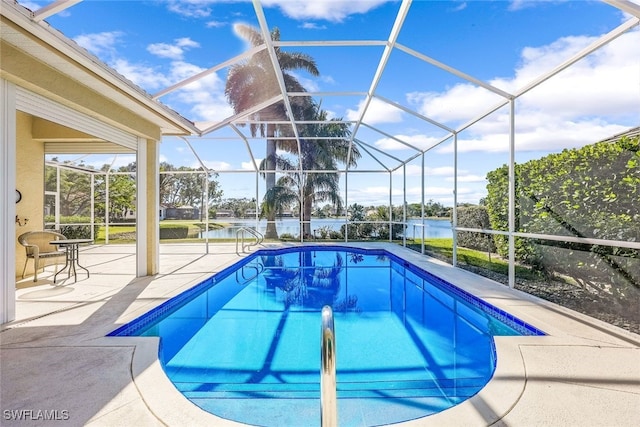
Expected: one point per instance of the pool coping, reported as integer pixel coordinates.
(491, 404)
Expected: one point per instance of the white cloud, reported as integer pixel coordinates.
(442, 191)
(116, 162)
(309, 84)
(550, 137)
(377, 112)
(468, 178)
(460, 6)
(186, 42)
(446, 107)
(144, 76)
(100, 44)
(215, 24)
(415, 170)
(604, 83)
(205, 96)
(172, 51)
(379, 195)
(520, 4)
(421, 142)
(329, 10)
(191, 8)
(215, 165)
(442, 171)
(411, 170)
(164, 50)
(594, 98)
(369, 195)
(249, 165)
(313, 26)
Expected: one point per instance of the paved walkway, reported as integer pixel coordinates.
(55, 361)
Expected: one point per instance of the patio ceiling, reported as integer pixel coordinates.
(371, 87)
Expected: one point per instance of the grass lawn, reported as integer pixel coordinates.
(443, 248)
(185, 230)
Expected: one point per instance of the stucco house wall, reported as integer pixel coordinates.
(55, 94)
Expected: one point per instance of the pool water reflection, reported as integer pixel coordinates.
(245, 344)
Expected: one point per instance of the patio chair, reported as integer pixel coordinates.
(37, 245)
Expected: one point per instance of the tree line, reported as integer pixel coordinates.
(179, 186)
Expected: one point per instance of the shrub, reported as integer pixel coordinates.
(475, 217)
(591, 192)
(72, 231)
(174, 231)
(323, 232)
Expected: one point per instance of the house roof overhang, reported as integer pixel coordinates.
(36, 38)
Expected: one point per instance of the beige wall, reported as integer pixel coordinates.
(34, 75)
(30, 158)
(30, 182)
(152, 214)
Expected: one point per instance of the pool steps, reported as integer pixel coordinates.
(460, 389)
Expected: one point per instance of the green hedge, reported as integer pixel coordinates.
(475, 217)
(71, 231)
(590, 192)
(174, 231)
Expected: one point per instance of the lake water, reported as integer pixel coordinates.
(433, 228)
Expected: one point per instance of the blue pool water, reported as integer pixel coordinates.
(245, 343)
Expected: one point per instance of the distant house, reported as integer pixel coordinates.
(224, 213)
(182, 212)
(251, 213)
(163, 212)
(130, 214)
(371, 212)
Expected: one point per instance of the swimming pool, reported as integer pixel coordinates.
(244, 344)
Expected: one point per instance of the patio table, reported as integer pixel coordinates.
(71, 247)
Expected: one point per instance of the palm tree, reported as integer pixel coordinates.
(253, 81)
(276, 198)
(317, 155)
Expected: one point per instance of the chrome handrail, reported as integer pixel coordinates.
(259, 269)
(328, 400)
(259, 238)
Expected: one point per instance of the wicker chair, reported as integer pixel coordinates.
(38, 248)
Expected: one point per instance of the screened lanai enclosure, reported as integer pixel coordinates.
(511, 153)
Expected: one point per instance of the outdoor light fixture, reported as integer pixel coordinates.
(21, 222)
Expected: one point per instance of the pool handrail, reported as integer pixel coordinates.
(240, 232)
(259, 269)
(328, 399)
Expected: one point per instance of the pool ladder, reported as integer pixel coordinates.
(241, 275)
(328, 400)
(240, 238)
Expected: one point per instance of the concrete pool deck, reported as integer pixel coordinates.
(58, 368)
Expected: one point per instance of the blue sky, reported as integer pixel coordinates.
(507, 44)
